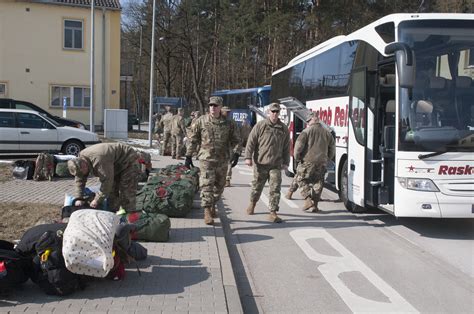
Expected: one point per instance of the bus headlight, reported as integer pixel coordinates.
(424, 185)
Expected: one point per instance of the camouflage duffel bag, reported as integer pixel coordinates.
(62, 170)
(152, 227)
(174, 200)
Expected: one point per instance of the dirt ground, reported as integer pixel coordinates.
(16, 218)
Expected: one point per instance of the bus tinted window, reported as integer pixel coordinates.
(326, 75)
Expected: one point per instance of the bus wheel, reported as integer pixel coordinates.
(343, 188)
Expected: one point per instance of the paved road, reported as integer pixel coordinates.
(342, 262)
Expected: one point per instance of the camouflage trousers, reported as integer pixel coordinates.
(211, 181)
(229, 167)
(310, 178)
(262, 174)
(167, 140)
(125, 189)
(177, 145)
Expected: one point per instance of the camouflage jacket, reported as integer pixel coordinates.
(165, 122)
(216, 136)
(106, 160)
(177, 125)
(315, 145)
(269, 144)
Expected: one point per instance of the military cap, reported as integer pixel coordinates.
(216, 100)
(74, 166)
(225, 108)
(310, 116)
(274, 106)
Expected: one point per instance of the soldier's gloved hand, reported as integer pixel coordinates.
(235, 160)
(189, 162)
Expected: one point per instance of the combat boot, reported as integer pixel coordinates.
(273, 217)
(308, 203)
(251, 208)
(208, 216)
(227, 183)
(289, 195)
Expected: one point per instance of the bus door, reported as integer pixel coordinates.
(357, 137)
(383, 162)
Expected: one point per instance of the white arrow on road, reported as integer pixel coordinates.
(334, 266)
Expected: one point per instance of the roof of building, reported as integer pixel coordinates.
(109, 4)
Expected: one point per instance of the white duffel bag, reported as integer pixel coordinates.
(88, 242)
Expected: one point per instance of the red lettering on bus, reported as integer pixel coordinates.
(463, 170)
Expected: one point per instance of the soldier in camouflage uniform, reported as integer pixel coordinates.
(225, 113)
(313, 148)
(268, 150)
(116, 165)
(215, 134)
(165, 125)
(177, 132)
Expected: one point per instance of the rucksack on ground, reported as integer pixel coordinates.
(14, 268)
(44, 169)
(61, 170)
(153, 227)
(23, 169)
(88, 242)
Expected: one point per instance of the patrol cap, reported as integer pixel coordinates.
(274, 106)
(225, 108)
(216, 100)
(74, 166)
(310, 116)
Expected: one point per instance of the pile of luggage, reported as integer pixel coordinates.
(60, 258)
(46, 166)
(167, 193)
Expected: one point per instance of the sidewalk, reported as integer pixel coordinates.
(191, 273)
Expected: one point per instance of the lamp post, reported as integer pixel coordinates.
(91, 101)
(152, 69)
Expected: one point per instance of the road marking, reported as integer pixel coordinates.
(289, 202)
(334, 266)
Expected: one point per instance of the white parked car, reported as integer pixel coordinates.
(26, 131)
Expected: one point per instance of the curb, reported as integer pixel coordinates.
(232, 296)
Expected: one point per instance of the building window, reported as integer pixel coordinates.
(72, 96)
(3, 89)
(73, 31)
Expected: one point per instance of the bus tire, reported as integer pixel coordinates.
(344, 188)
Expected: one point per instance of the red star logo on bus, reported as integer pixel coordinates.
(411, 169)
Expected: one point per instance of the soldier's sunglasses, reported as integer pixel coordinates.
(213, 105)
(275, 111)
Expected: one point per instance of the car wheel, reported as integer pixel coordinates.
(72, 147)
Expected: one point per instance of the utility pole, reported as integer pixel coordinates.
(91, 107)
(152, 69)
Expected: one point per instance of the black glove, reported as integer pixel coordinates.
(189, 162)
(235, 160)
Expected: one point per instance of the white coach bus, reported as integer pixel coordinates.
(399, 94)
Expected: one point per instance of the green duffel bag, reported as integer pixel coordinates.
(153, 227)
(62, 171)
(174, 200)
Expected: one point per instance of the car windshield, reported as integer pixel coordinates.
(53, 122)
(438, 113)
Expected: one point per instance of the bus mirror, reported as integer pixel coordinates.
(405, 63)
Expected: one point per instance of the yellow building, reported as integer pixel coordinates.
(45, 55)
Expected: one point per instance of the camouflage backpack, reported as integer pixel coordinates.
(44, 169)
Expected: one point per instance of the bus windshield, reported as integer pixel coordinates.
(438, 113)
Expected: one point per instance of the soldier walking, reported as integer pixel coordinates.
(215, 134)
(117, 167)
(178, 130)
(268, 151)
(165, 124)
(313, 148)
